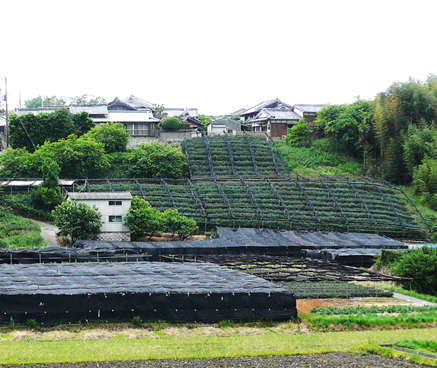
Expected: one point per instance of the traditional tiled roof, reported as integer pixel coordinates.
(118, 102)
(90, 109)
(266, 104)
(309, 107)
(174, 111)
(137, 103)
(99, 195)
(36, 111)
(281, 114)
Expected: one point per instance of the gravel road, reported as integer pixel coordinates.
(331, 360)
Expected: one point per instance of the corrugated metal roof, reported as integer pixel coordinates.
(99, 195)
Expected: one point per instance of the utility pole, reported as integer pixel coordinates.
(7, 113)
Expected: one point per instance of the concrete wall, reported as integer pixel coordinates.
(2, 142)
(170, 138)
(111, 230)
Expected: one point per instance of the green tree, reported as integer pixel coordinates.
(299, 135)
(30, 131)
(43, 101)
(178, 224)
(48, 195)
(77, 157)
(156, 160)
(420, 265)
(19, 163)
(77, 220)
(87, 100)
(419, 144)
(143, 219)
(113, 135)
(158, 112)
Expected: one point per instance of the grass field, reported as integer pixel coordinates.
(178, 347)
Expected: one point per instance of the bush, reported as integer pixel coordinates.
(179, 224)
(420, 265)
(156, 160)
(172, 124)
(299, 135)
(77, 220)
(143, 219)
(113, 135)
(46, 198)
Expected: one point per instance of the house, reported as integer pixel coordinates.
(308, 111)
(219, 126)
(113, 207)
(274, 122)
(252, 112)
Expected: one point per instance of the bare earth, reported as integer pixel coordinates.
(331, 360)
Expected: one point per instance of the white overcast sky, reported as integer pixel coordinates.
(215, 55)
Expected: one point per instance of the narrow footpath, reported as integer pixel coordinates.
(48, 232)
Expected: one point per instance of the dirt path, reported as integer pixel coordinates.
(48, 232)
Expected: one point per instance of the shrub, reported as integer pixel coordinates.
(299, 135)
(179, 224)
(77, 220)
(113, 135)
(156, 160)
(171, 124)
(142, 218)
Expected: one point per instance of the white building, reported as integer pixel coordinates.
(220, 126)
(113, 207)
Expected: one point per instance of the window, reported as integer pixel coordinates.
(115, 203)
(115, 218)
(230, 131)
(138, 130)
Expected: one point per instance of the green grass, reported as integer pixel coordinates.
(390, 352)
(332, 311)
(405, 320)
(317, 160)
(426, 346)
(18, 232)
(164, 347)
(400, 290)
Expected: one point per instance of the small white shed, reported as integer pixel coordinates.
(113, 206)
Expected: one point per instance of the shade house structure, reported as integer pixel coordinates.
(110, 292)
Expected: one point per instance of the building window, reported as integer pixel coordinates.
(230, 131)
(115, 203)
(138, 130)
(115, 218)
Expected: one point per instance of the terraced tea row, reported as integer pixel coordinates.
(241, 155)
(304, 204)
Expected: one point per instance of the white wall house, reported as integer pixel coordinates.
(219, 126)
(113, 207)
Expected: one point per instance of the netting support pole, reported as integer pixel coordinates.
(249, 142)
(208, 149)
(110, 185)
(363, 202)
(273, 154)
(310, 203)
(197, 198)
(335, 201)
(188, 159)
(169, 193)
(231, 157)
(390, 204)
(141, 189)
(225, 198)
(281, 200)
(258, 209)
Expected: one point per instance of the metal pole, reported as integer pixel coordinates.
(7, 113)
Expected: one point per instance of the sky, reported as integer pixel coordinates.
(217, 56)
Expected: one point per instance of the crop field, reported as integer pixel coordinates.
(293, 203)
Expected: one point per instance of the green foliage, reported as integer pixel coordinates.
(425, 182)
(205, 119)
(142, 218)
(158, 112)
(30, 131)
(42, 101)
(77, 157)
(179, 224)
(350, 127)
(22, 204)
(156, 160)
(86, 99)
(420, 265)
(419, 144)
(77, 220)
(374, 309)
(137, 321)
(46, 198)
(299, 135)
(82, 123)
(426, 345)
(31, 323)
(18, 232)
(319, 159)
(19, 163)
(172, 124)
(113, 135)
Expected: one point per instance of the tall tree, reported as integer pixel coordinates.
(43, 101)
(87, 100)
